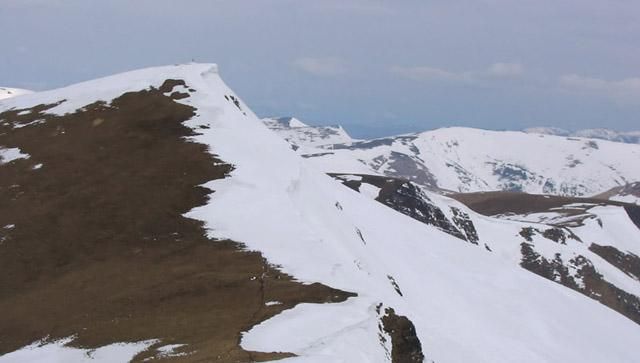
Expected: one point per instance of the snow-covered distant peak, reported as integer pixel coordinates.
(290, 122)
(630, 137)
(299, 134)
(6, 92)
(467, 160)
(597, 133)
(547, 131)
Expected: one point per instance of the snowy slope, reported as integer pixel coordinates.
(357, 246)
(470, 160)
(6, 92)
(466, 304)
(569, 236)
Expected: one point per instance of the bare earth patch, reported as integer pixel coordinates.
(99, 248)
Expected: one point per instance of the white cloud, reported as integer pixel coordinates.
(421, 73)
(496, 70)
(625, 90)
(506, 69)
(329, 66)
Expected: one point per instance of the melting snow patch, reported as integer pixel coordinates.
(578, 205)
(167, 351)
(177, 88)
(350, 177)
(58, 351)
(36, 122)
(626, 199)
(37, 166)
(271, 303)
(11, 154)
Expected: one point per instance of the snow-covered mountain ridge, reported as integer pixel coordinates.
(150, 181)
(471, 160)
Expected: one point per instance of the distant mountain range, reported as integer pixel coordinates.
(630, 137)
(297, 133)
(458, 159)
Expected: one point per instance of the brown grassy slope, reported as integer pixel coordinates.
(492, 203)
(628, 189)
(100, 247)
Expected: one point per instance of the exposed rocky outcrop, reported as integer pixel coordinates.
(633, 212)
(405, 345)
(408, 198)
(553, 270)
(629, 263)
(580, 275)
(465, 224)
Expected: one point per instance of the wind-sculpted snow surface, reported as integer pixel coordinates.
(470, 160)
(417, 291)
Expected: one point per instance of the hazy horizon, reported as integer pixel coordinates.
(377, 68)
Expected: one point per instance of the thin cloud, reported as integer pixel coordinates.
(426, 73)
(624, 90)
(359, 6)
(330, 66)
(506, 70)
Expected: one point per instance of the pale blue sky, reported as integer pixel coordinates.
(376, 67)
